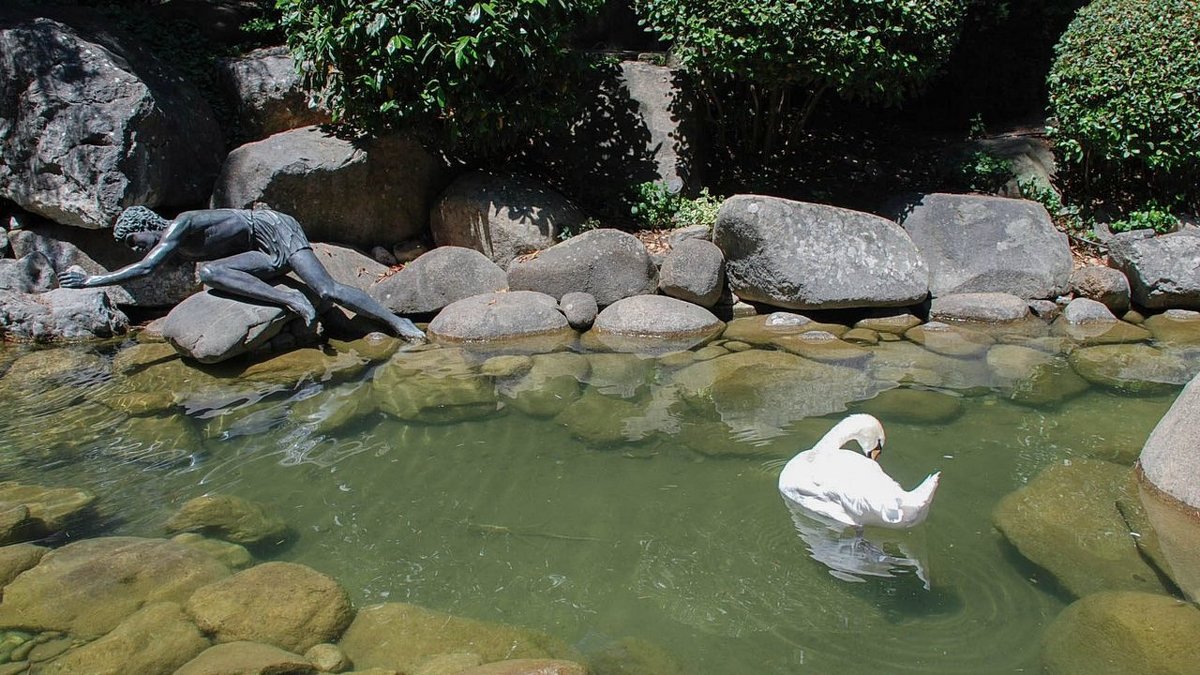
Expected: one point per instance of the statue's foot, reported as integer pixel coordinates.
(408, 330)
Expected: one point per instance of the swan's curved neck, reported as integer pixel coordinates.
(847, 430)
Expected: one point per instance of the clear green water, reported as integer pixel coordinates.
(512, 519)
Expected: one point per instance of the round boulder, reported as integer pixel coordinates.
(1123, 632)
(497, 316)
(279, 603)
(231, 518)
(438, 278)
(694, 271)
(1102, 284)
(1133, 368)
(580, 309)
(657, 315)
(1163, 271)
(979, 307)
(501, 216)
(1085, 310)
(1170, 455)
(608, 264)
(811, 256)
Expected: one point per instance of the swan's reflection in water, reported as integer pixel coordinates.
(850, 557)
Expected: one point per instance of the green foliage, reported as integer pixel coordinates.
(487, 74)
(1153, 217)
(1066, 217)
(984, 172)
(567, 231)
(868, 50)
(1125, 96)
(656, 206)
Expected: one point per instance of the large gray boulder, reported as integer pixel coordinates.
(657, 315)
(90, 124)
(976, 244)
(438, 278)
(607, 263)
(60, 314)
(501, 216)
(1102, 284)
(348, 266)
(497, 316)
(345, 191)
(32, 273)
(979, 307)
(1163, 271)
(211, 328)
(266, 90)
(1170, 455)
(694, 271)
(96, 252)
(811, 256)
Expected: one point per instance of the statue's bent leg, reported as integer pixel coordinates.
(243, 275)
(310, 270)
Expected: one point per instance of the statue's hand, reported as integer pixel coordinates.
(408, 330)
(73, 278)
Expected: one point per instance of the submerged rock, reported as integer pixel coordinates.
(948, 340)
(1133, 368)
(1066, 521)
(370, 641)
(235, 556)
(155, 640)
(529, 667)
(1123, 632)
(434, 386)
(279, 603)
(554, 381)
(921, 406)
(246, 657)
(34, 511)
(97, 583)
(229, 517)
(18, 558)
(1175, 326)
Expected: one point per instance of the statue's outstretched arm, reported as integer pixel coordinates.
(160, 253)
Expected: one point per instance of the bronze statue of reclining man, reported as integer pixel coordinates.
(242, 249)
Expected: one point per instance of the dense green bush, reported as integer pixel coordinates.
(871, 50)
(485, 73)
(1125, 100)
(655, 205)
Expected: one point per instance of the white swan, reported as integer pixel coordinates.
(851, 488)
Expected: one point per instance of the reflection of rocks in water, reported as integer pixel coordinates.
(909, 405)
(1067, 522)
(908, 363)
(761, 392)
(850, 557)
(1133, 368)
(434, 386)
(1123, 632)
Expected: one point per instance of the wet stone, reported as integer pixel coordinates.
(762, 330)
(892, 323)
(506, 366)
(17, 558)
(229, 517)
(327, 658)
(235, 556)
(156, 639)
(47, 510)
(1101, 332)
(246, 657)
(335, 407)
(824, 347)
(921, 406)
(1066, 521)
(142, 355)
(950, 340)
(552, 383)
(1175, 326)
(1133, 368)
(861, 336)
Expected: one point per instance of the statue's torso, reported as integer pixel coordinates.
(218, 233)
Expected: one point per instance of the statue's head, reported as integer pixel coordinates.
(138, 219)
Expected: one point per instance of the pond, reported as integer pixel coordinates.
(599, 497)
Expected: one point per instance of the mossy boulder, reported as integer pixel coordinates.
(1132, 368)
(1067, 522)
(921, 406)
(552, 383)
(228, 517)
(155, 640)
(402, 637)
(246, 657)
(435, 385)
(1124, 632)
(32, 511)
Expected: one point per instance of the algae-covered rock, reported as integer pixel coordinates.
(241, 658)
(235, 556)
(764, 329)
(155, 640)
(957, 341)
(554, 381)
(1033, 377)
(634, 656)
(529, 667)
(335, 407)
(904, 362)
(402, 637)
(921, 406)
(1175, 326)
(97, 583)
(1067, 522)
(1133, 368)
(327, 658)
(622, 375)
(229, 517)
(436, 385)
(1100, 332)
(36, 511)
(300, 365)
(600, 420)
(18, 558)
(1124, 632)
(825, 347)
(279, 603)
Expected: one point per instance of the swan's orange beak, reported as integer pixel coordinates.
(876, 452)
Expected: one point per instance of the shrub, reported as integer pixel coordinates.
(984, 172)
(484, 73)
(1153, 217)
(656, 206)
(873, 50)
(1125, 97)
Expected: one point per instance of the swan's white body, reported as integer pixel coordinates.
(850, 487)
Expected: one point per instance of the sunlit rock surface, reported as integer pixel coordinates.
(500, 316)
(17, 558)
(1134, 368)
(437, 279)
(284, 604)
(1066, 521)
(158, 638)
(948, 340)
(1123, 632)
(229, 517)
(1169, 458)
(34, 511)
(97, 583)
(246, 657)
(370, 643)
